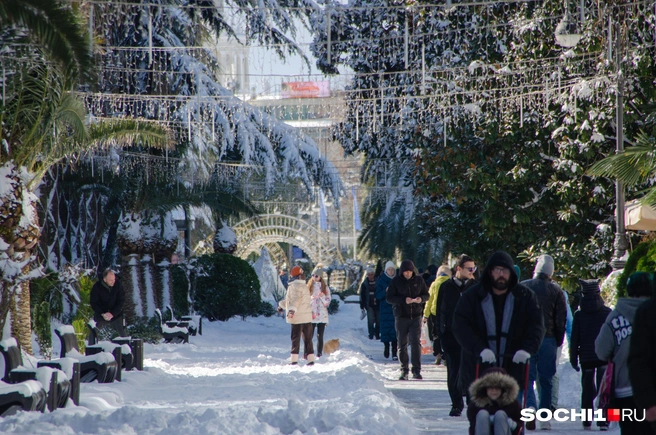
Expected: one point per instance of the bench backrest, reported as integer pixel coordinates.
(13, 359)
(68, 342)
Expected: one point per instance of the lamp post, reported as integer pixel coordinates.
(620, 244)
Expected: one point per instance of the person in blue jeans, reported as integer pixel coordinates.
(554, 313)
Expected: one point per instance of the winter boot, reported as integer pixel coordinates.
(394, 349)
(386, 351)
(404, 375)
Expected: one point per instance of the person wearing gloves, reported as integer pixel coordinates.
(387, 329)
(407, 293)
(554, 314)
(587, 324)
(319, 302)
(442, 275)
(497, 321)
(613, 343)
(369, 304)
(299, 314)
(494, 404)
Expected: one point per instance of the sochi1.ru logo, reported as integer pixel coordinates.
(586, 415)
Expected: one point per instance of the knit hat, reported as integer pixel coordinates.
(518, 271)
(296, 271)
(640, 284)
(390, 264)
(589, 285)
(317, 271)
(544, 265)
(370, 270)
(407, 265)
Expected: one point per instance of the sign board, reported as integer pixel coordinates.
(305, 89)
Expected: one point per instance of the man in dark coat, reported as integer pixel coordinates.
(407, 293)
(497, 321)
(585, 329)
(447, 299)
(554, 314)
(107, 298)
(642, 360)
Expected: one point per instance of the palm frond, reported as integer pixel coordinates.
(635, 166)
(130, 132)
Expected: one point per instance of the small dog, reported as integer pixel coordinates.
(331, 346)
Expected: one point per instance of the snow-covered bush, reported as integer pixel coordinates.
(224, 286)
(642, 259)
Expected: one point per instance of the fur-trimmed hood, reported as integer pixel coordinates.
(495, 377)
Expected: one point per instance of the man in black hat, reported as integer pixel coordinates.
(497, 321)
(407, 293)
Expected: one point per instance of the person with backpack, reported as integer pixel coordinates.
(613, 343)
(587, 324)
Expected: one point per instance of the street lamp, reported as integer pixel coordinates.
(568, 35)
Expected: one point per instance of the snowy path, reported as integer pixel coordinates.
(236, 379)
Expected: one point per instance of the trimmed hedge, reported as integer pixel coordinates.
(225, 286)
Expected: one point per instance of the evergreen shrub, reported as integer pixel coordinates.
(145, 328)
(642, 259)
(266, 309)
(225, 286)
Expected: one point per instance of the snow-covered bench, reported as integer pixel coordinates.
(172, 334)
(102, 366)
(27, 396)
(95, 346)
(55, 381)
(194, 323)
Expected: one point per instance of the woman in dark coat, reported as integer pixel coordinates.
(501, 405)
(386, 319)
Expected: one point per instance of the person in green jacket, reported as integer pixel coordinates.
(443, 274)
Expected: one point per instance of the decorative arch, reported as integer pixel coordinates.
(269, 229)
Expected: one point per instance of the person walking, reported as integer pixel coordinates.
(407, 293)
(642, 359)
(554, 314)
(613, 343)
(369, 304)
(319, 302)
(299, 314)
(386, 318)
(497, 321)
(107, 298)
(442, 275)
(447, 298)
(587, 324)
(494, 404)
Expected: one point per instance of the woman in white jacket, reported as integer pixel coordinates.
(320, 301)
(299, 314)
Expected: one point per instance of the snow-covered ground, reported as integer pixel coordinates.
(236, 379)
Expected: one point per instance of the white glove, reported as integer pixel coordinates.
(521, 357)
(487, 356)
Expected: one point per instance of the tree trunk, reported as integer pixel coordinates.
(21, 325)
(19, 230)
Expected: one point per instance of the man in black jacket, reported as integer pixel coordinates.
(107, 298)
(447, 298)
(407, 293)
(497, 321)
(554, 314)
(642, 360)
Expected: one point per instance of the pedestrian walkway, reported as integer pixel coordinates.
(428, 400)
